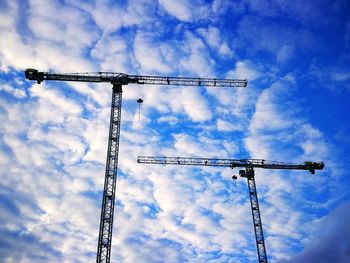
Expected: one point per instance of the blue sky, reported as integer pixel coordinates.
(53, 136)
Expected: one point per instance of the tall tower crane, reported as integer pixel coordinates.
(248, 172)
(118, 80)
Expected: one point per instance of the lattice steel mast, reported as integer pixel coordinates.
(117, 80)
(249, 165)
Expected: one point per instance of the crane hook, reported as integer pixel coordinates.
(139, 101)
(234, 178)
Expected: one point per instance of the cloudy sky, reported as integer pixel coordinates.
(53, 136)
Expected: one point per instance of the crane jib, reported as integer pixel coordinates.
(125, 79)
(254, 163)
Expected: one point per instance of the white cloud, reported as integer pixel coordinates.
(340, 76)
(180, 100)
(187, 11)
(330, 77)
(62, 25)
(182, 9)
(15, 118)
(62, 60)
(244, 70)
(16, 92)
(195, 105)
(215, 40)
(13, 52)
(198, 64)
(187, 146)
(285, 53)
(140, 121)
(70, 34)
(54, 97)
(106, 23)
(196, 57)
(19, 50)
(16, 53)
(8, 15)
(112, 52)
(226, 126)
(269, 114)
(148, 54)
(172, 120)
(274, 111)
(21, 151)
(96, 135)
(110, 17)
(220, 6)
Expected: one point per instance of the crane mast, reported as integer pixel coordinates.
(249, 173)
(118, 80)
(108, 199)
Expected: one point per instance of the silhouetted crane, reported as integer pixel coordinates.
(249, 165)
(118, 80)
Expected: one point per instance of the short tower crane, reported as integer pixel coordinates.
(248, 172)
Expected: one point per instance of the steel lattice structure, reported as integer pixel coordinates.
(125, 79)
(118, 80)
(254, 204)
(256, 163)
(107, 210)
(249, 165)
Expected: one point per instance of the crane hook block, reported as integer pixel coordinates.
(139, 100)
